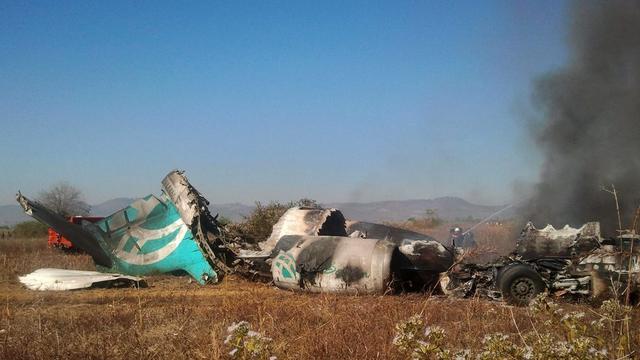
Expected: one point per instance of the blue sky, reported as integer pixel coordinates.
(269, 100)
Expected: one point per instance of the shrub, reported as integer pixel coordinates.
(258, 225)
(30, 229)
(428, 221)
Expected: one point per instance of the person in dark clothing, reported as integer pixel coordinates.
(462, 239)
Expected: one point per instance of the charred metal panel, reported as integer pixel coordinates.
(566, 242)
(306, 221)
(176, 186)
(379, 231)
(424, 255)
(469, 280)
(418, 252)
(333, 264)
(194, 211)
(610, 258)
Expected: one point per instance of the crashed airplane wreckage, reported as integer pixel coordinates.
(568, 261)
(309, 249)
(319, 251)
(166, 234)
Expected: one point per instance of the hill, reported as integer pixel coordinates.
(11, 215)
(449, 208)
(110, 206)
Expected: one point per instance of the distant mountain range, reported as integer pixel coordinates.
(449, 208)
(11, 215)
(110, 206)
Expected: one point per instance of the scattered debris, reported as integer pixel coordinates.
(318, 250)
(379, 231)
(565, 242)
(61, 279)
(568, 261)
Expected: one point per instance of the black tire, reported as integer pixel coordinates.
(520, 284)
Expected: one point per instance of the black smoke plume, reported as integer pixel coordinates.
(590, 132)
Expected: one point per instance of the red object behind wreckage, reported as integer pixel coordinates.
(58, 241)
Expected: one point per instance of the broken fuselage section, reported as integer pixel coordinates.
(317, 250)
(165, 234)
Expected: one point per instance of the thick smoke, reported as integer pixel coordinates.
(590, 135)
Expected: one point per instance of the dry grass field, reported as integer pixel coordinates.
(177, 319)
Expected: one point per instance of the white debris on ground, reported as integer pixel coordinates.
(62, 279)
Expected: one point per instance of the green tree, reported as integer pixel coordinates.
(29, 229)
(258, 225)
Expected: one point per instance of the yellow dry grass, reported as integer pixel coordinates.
(178, 319)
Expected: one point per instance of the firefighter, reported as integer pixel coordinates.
(461, 239)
